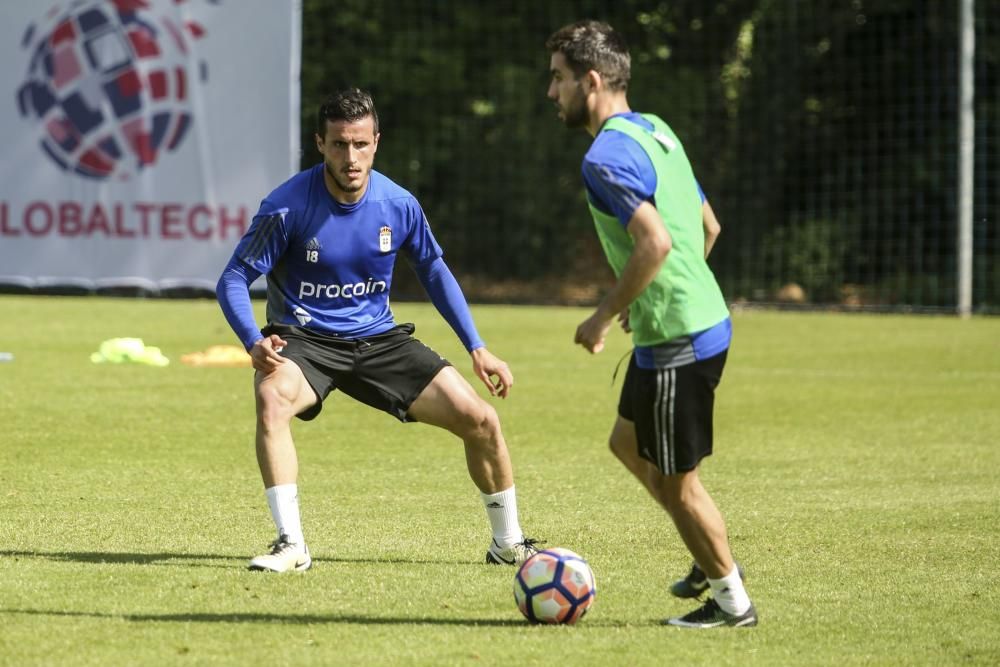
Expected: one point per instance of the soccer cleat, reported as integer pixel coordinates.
(711, 615)
(284, 556)
(695, 583)
(515, 554)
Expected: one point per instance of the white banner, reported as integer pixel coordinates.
(139, 136)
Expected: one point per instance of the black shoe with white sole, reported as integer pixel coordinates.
(711, 615)
(695, 583)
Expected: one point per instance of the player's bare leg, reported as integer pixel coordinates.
(694, 514)
(451, 403)
(703, 530)
(683, 497)
(697, 520)
(624, 446)
(280, 395)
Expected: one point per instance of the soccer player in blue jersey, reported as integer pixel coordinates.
(327, 240)
(656, 230)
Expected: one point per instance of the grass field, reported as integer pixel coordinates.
(857, 463)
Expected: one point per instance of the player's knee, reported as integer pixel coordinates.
(274, 404)
(480, 422)
(488, 421)
(676, 491)
(618, 446)
(622, 443)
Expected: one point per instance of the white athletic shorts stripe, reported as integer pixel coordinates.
(664, 419)
(657, 420)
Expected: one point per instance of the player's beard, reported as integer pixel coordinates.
(575, 112)
(345, 187)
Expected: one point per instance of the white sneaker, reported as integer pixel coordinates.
(515, 554)
(284, 556)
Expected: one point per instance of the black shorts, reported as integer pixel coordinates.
(387, 371)
(672, 411)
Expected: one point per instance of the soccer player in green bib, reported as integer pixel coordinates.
(656, 229)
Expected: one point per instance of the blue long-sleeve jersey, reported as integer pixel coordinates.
(329, 265)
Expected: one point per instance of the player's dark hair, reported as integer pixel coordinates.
(350, 104)
(594, 45)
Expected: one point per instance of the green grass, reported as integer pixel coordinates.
(857, 464)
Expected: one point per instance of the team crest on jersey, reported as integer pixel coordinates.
(385, 239)
(312, 250)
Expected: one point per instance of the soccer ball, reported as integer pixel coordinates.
(554, 586)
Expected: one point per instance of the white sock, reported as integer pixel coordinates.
(730, 594)
(501, 508)
(283, 500)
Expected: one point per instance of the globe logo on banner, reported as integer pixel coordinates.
(108, 85)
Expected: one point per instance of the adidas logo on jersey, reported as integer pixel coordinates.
(312, 250)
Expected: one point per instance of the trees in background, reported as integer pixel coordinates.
(825, 134)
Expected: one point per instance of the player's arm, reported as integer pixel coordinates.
(711, 225)
(652, 244)
(708, 221)
(446, 295)
(233, 293)
(252, 258)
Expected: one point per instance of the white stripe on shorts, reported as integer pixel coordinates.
(658, 419)
(670, 434)
(663, 419)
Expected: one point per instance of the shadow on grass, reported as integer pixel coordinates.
(100, 557)
(113, 557)
(305, 619)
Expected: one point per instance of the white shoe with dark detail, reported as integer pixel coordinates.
(515, 554)
(284, 556)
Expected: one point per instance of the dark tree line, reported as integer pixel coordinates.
(824, 132)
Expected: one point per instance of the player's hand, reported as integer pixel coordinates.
(623, 321)
(493, 371)
(592, 332)
(265, 353)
